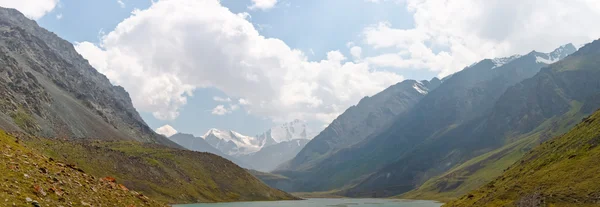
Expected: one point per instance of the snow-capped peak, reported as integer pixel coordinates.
(556, 55)
(499, 62)
(286, 132)
(231, 142)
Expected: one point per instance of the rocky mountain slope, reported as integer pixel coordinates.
(408, 151)
(49, 90)
(353, 126)
(560, 172)
(31, 178)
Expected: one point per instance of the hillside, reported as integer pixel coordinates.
(531, 112)
(49, 90)
(162, 173)
(522, 108)
(30, 178)
(560, 172)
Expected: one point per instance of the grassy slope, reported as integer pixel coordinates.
(165, 174)
(483, 169)
(560, 172)
(25, 173)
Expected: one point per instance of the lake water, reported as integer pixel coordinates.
(322, 202)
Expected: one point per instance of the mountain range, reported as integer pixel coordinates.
(262, 152)
(441, 129)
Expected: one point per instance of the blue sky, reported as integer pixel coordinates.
(313, 26)
(281, 60)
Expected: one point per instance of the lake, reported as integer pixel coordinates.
(325, 202)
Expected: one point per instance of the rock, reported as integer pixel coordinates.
(28, 199)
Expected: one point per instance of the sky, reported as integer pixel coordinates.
(248, 65)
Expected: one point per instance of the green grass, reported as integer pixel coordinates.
(27, 173)
(165, 174)
(560, 172)
(24, 120)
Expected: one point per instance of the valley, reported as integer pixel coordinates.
(170, 108)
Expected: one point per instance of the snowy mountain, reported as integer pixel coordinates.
(556, 55)
(231, 142)
(289, 131)
(236, 144)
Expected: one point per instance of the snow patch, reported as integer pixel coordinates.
(420, 88)
(499, 62)
(548, 60)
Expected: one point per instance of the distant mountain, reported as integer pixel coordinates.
(408, 151)
(49, 90)
(287, 132)
(353, 126)
(231, 142)
(264, 152)
(269, 157)
(198, 144)
(560, 172)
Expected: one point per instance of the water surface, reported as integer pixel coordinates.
(325, 202)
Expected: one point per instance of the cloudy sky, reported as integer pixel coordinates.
(247, 65)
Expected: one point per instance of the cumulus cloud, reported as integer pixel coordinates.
(356, 52)
(449, 35)
(221, 110)
(166, 130)
(263, 4)
(161, 54)
(33, 9)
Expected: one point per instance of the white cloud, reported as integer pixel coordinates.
(356, 52)
(449, 35)
(263, 4)
(59, 16)
(216, 48)
(244, 102)
(166, 130)
(220, 99)
(33, 9)
(220, 110)
(121, 3)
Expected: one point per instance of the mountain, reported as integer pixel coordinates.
(547, 105)
(287, 132)
(231, 142)
(269, 157)
(353, 126)
(198, 144)
(49, 182)
(419, 143)
(455, 134)
(263, 152)
(49, 90)
(560, 172)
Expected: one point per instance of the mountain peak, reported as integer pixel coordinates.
(499, 62)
